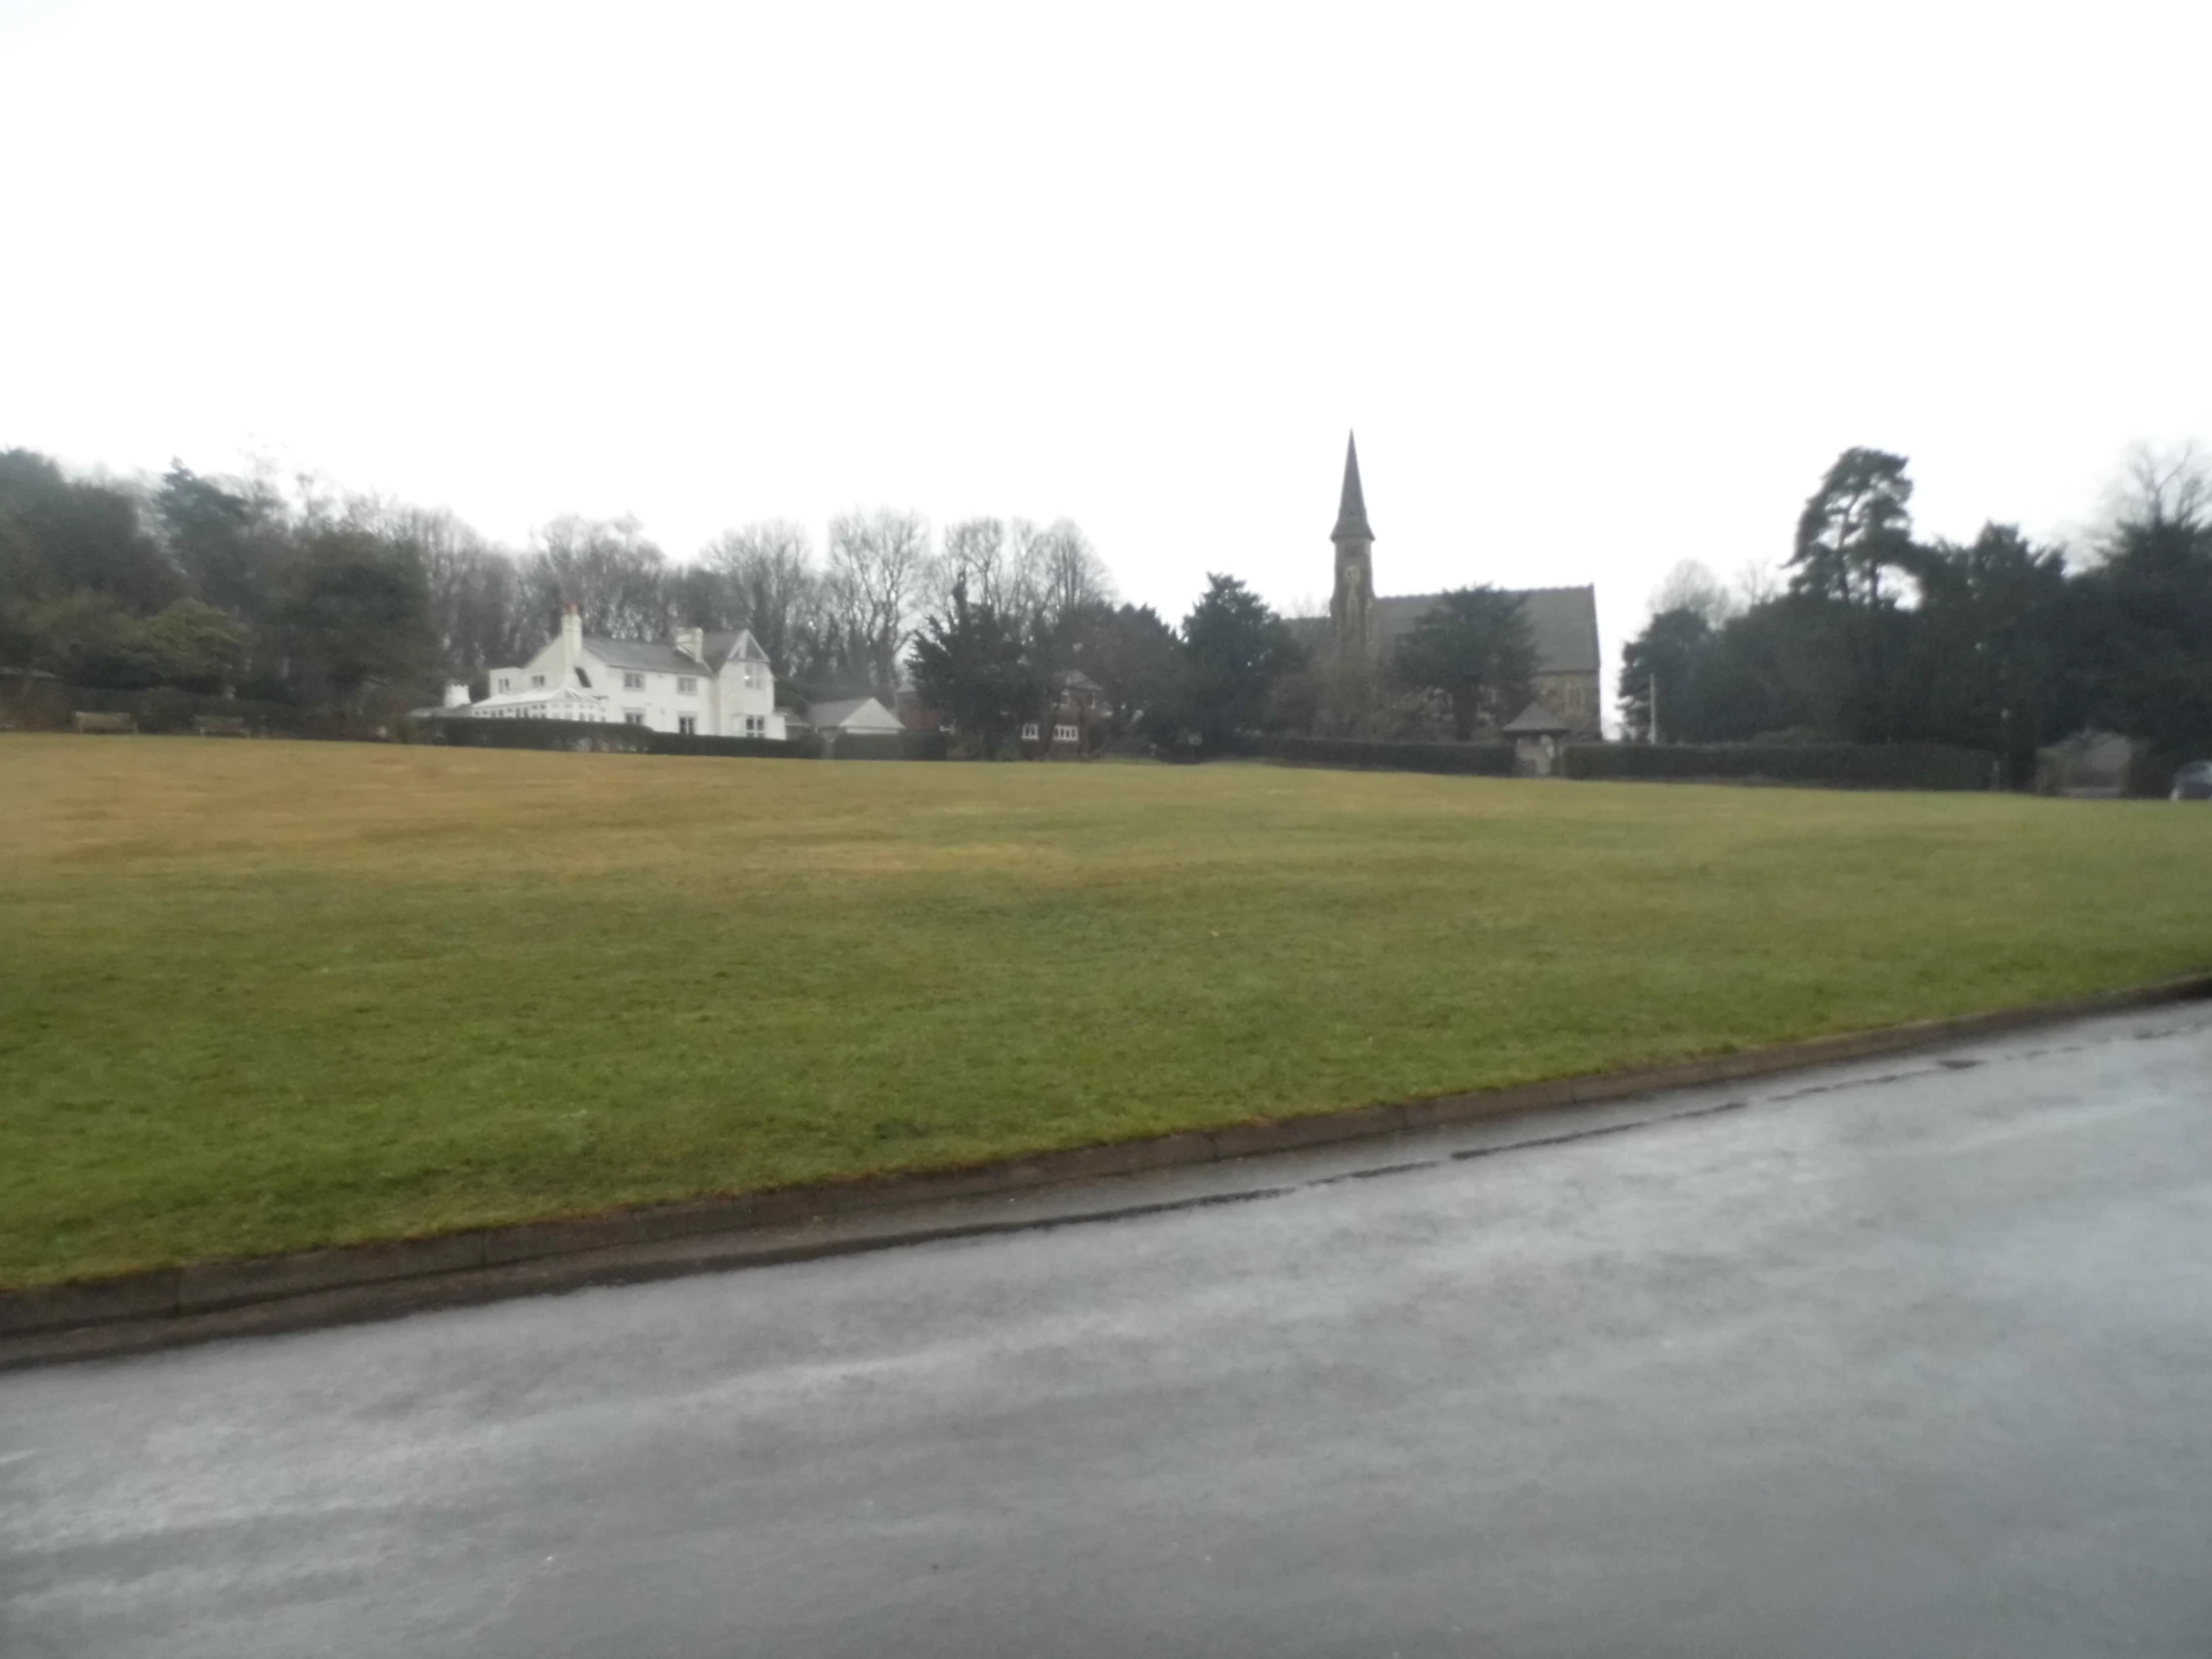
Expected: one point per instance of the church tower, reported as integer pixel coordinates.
(1351, 606)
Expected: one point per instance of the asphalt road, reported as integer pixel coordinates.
(1909, 1357)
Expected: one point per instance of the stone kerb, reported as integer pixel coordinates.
(301, 1288)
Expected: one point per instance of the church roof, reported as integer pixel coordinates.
(1562, 624)
(1536, 721)
(1351, 511)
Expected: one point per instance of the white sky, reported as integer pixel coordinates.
(1601, 288)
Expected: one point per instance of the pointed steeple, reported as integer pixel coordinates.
(1351, 513)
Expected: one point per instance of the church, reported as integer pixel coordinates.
(1364, 630)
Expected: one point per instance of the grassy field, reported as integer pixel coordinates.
(257, 996)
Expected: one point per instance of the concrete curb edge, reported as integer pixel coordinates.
(259, 1295)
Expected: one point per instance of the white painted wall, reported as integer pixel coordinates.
(745, 691)
(718, 703)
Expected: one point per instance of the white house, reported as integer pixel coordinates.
(708, 685)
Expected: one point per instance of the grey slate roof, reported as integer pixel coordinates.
(738, 645)
(655, 657)
(1352, 510)
(1562, 623)
(836, 714)
(1536, 721)
(648, 655)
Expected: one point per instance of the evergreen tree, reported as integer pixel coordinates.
(970, 664)
(1472, 648)
(1234, 646)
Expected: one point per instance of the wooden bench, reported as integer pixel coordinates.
(221, 726)
(89, 721)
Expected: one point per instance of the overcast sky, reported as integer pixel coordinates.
(1601, 288)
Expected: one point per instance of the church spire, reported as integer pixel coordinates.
(1351, 513)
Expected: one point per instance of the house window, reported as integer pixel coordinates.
(503, 683)
(1063, 733)
(583, 679)
(755, 725)
(537, 682)
(751, 678)
(632, 717)
(1030, 731)
(688, 724)
(686, 686)
(633, 682)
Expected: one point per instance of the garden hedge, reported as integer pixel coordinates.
(46, 705)
(889, 745)
(1848, 765)
(1487, 759)
(470, 732)
(803, 748)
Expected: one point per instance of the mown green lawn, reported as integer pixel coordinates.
(257, 996)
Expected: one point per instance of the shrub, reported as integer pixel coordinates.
(1839, 765)
(1487, 760)
(803, 748)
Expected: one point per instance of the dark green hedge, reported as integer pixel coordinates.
(1487, 759)
(469, 732)
(1848, 765)
(803, 748)
(889, 745)
(48, 703)
(638, 739)
(2150, 772)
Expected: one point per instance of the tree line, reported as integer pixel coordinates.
(2001, 644)
(307, 596)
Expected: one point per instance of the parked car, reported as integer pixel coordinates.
(2194, 782)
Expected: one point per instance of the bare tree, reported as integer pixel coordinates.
(768, 579)
(974, 558)
(1072, 579)
(2158, 489)
(616, 579)
(1026, 557)
(476, 607)
(1689, 586)
(879, 575)
(1758, 581)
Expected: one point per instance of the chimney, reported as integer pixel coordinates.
(691, 642)
(456, 694)
(572, 636)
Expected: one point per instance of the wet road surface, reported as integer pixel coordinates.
(1908, 1358)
